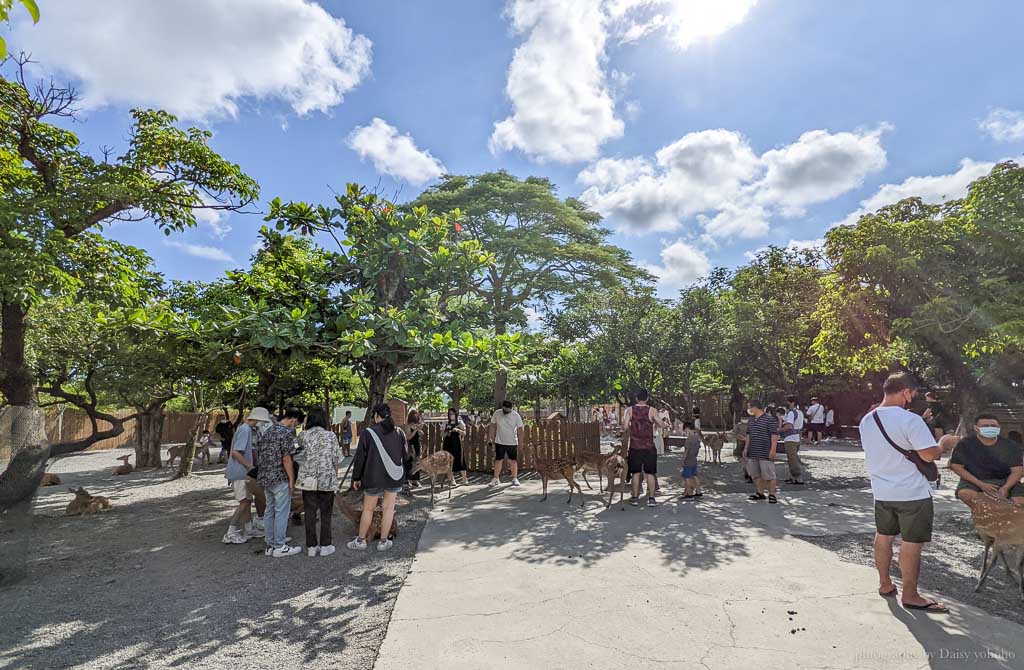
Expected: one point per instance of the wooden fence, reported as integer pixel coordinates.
(74, 424)
(549, 440)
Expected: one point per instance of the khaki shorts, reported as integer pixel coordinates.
(1017, 491)
(244, 489)
(761, 468)
(910, 519)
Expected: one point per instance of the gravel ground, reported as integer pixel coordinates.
(150, 585)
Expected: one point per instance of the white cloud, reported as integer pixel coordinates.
(563, 97)
(562, 109)
(214, 219)
(202, 251)
(1004, 125)
(803, 245)
(715, 176)
(681, 265)
(820, 166)
(197, 58)
(394, 154)
(686, 22)
(931, 189)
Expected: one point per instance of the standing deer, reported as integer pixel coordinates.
(436, 464)
(591, 462)
(557, 468)
(615, 467)
(126, 468)
(714, 443)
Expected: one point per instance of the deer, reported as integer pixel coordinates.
(50, 479)
(1000, 525)
(85, 503)
(588, 461)
(436, 464)
(174, 452)
(557, 468)
(126, 468)
(615, 468)
(714, 443)
(354, 514)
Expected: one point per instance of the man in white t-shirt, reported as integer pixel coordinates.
(903, 497)
(816, 419)
(792, 429)
(505, 432)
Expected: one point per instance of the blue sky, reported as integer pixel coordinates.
(702, 129)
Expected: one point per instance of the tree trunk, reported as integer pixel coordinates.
(458, 392)
(501, 376)
(149, 428)
(188, 456)
(16, 383)
(380, 375)
(23, 441)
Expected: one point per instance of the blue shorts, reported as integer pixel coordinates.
(382, 490)
(688, 472)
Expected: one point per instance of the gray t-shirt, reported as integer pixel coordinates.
(691, 450)
(242, 442)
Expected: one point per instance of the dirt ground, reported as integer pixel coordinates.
(150, 585)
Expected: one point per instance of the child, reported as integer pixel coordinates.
(691, 451)
(207, 441)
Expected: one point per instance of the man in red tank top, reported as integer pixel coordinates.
(641, 420)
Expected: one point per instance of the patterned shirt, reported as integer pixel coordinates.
(760, 431)
(320, 457)
(273, 446)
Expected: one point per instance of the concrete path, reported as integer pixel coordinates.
(502, 580)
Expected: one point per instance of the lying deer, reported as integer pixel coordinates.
(556, 468)
(1000, 525)
(50, 479)
(437, 464)
(85, 503)
(354, 513)
(615, 468)
(587, 461)
(125, 469)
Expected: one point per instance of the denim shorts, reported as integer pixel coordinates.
(688, 472)
(382, 490)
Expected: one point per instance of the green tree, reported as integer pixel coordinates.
(5, 15)
(942, 281)
(544, 247)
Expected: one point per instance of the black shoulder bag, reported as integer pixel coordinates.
(926, 468)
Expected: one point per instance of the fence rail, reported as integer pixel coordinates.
(73, 424)
(548, 440)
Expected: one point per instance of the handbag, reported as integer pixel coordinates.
(928, 469)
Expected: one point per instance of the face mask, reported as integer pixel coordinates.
(989, 432)
(506, 410)
(750, 412)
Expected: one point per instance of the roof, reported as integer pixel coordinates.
(1007, 413)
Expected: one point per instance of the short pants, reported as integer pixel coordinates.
(1016, 492)
(243, 489)
(688, 472)
(761, 468)
(642, 460)
(503, 450)
(382, 490)
(816, 428)
(910, 519)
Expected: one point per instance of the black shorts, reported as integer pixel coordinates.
(910, 519)
(642, 460)
(816, 428)
(503, 450)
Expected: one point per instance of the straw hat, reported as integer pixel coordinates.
(259, 414)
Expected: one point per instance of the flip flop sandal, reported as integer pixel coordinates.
(773, 500)
(890, 594)
(934, 607)
(756, 496)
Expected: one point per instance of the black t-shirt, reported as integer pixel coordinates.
(986, 462)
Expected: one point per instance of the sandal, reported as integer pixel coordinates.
(773, 500)
(756, 496)
(931, 606)
(890, 594)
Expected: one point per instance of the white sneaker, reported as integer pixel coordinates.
(495, 481)
(253, 531)
(257, 522)
(234, 536)
(515, 482)
(358, 544)
(327, 550)
(384, 545)
(286, 550)
(312, 551)
(269, 551)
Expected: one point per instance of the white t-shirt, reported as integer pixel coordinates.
(816, 413)
(507, 425)
(795, 417)
(830, 417)
(893, 477)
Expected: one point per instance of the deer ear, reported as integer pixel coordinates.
(72, 490)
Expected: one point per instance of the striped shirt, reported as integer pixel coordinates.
(760, 431)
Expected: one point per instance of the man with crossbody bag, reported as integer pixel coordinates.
(900, 454)
(379, 471)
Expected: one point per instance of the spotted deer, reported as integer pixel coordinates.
(1000, 525)
(85, 503)
(588, 461)
(615, 468)
(556, 468)
(437, 464)
(126, 468)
